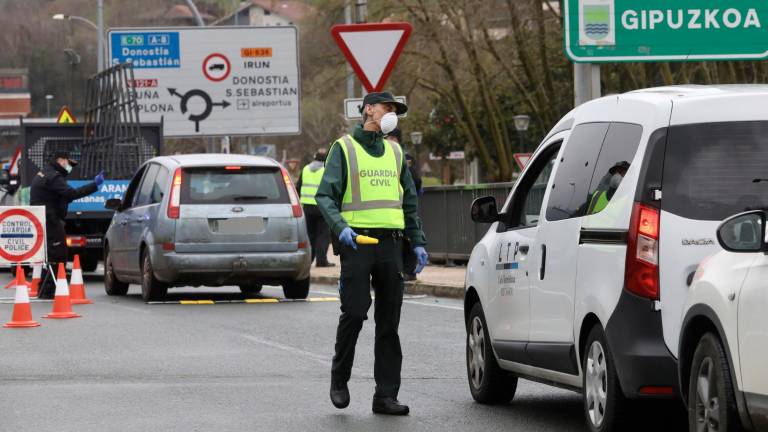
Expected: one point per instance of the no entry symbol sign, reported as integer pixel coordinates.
(22, 234)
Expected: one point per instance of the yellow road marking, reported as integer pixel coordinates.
(196, 302)
(323, 299)
(268, 300)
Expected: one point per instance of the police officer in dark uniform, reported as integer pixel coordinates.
(50, 189)
(367, 190)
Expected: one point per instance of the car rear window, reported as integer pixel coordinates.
(233, 185)
(715, 170)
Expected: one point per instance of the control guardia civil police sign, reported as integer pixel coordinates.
(665, 30)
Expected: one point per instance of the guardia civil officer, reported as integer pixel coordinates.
(367, 190)
(50, 189)
(319, 235)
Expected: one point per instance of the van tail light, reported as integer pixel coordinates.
(76, 241)
(174, 201)
(642, 265)
(295, 204)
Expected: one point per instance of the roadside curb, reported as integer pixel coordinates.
(416, 287)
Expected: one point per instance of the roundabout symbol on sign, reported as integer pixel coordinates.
(216, 67)
(209, 104)
(21, 235)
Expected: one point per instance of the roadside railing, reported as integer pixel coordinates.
(445, 215)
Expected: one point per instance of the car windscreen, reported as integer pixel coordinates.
(233, 185)
(715, 170)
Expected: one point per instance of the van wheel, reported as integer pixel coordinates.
(296, 289)
(151, 288)
(711, 401)
(89, 262)
(488, 383)
(604, 402)
(250, 289)
(112, 284)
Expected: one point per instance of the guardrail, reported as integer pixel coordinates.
(446, 220)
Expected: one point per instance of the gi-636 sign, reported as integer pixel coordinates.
(665, 30)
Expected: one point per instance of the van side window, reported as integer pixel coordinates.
(569, 195)
(525, 207)
(616, 155)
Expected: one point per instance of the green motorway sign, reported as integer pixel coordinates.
(665, 30)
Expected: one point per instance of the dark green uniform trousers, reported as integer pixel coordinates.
(381, 265)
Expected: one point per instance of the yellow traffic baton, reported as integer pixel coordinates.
(365, 240)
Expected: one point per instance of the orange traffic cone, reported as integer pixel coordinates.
(13, 282)
(37, 270)
(62, 308)
(22, 312)
(76, 286)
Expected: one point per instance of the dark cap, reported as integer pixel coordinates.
(623, 165)
(64, 154)
(384, 97)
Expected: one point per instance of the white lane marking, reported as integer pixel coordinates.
(325, 360)
(404, 301)
(130, 308)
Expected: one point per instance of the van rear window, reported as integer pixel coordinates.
(715, 170)
(233, 185)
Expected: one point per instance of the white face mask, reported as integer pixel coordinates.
(68, 168)
(388, 122)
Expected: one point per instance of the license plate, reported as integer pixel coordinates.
(244, 225)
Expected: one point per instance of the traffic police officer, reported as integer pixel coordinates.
(367, 190)
(319, 236)
(50, 189)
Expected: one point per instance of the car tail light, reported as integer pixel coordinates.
(642, 265)
(657, 390)
(303, 245)
(232, 168)
(169, 247)
(174, 201)
(295, 204)
(76, 241)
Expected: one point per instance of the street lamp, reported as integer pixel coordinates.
(416, 138)
(48, 99)
(521, 125)
(98, 27)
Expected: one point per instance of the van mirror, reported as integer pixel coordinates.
(5, 178)
(113, 204)
(484, 210)
(744, 232)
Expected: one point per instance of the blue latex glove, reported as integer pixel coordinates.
(421, 257)
(99, 179)
(347, 237)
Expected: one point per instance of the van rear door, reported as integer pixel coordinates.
(711, 171)
(235, 209)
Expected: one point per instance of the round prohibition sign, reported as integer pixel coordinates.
(38, 241)
(214, 70)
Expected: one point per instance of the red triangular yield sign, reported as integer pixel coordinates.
(372, 49)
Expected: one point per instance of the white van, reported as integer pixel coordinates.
(582, 278)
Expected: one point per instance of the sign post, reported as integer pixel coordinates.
(214, 81)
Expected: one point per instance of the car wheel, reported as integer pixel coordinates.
(89, 262)
(604, 401)
(250, 289)
(151, 288)
(488, 382)
(112, 284)
(296, 289)
(711, 400)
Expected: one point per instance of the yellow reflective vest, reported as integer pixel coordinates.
(310, 181)
(374, 195)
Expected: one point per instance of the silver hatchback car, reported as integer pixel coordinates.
(207, 219)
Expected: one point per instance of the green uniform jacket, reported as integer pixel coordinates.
(331, 191)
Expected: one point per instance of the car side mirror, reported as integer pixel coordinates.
(484, 210)
(744, 232)
(113, 204)
(5, 178)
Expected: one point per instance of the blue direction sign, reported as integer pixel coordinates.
(146, 50)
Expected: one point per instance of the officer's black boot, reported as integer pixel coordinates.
(389, 406)
(339, 394)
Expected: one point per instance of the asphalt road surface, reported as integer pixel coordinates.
(262, 366)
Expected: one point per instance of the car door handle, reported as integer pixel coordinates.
(543, 268)
(524, 249)
(123, 222)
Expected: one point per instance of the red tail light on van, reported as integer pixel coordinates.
(174, 201)
(295, 204)
(641, 275)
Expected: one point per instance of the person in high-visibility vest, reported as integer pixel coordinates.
(319, 234)
(367, 190)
